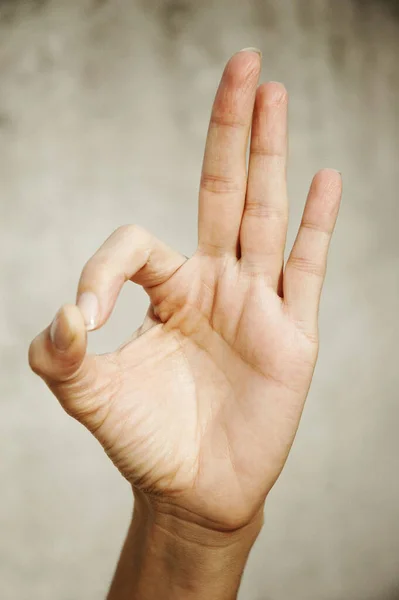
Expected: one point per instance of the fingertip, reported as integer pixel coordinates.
(243, 66)
(58, 351)
(326, 188)
(248, 56)
(67, 328)
(89, 309)
(328, 177)
(252, 49)
(272, 92)
(61, 333)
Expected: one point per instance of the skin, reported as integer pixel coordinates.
(199, 409)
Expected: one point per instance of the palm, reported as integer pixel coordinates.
(219, 396)
(202, 405)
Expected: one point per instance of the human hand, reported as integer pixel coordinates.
(200, 408)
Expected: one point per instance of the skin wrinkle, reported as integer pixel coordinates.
(255, 208)
(308, 266)
(300, 325)
(220, 185)
(218, 250)
(210, 292)
(238, 325)
(194, 383)
(225, 375)
(190, 541)
(215, 294)
(231, 454)
(142, 481)
(255, 368)
(268, 375)
(316, 228)
(162, 277)
(77, 375)
(155, 488)
(228, 121)
(195, 520)
(185, 510)
(264, 152)
(112, 395)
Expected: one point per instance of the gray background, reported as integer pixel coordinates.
(103, 116)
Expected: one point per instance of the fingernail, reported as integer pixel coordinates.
(251, 49)
(60, 333)
(89, 308)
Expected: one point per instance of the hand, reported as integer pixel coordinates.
(200, 408)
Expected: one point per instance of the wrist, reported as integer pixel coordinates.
(178, 556)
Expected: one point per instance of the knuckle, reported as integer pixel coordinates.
(316, 227)
(307, 265)
(263, 210)
(97, 265)
(228, 121)
(269, 151)
(95, 272)
(219, 184)
(129, 229)
(211, 248)
(132, 233)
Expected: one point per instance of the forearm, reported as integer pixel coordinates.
(167, 557)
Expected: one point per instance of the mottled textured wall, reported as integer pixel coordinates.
(103, 116)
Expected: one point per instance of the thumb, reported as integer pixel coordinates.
(58, 356)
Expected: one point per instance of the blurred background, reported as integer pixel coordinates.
(103, 116)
